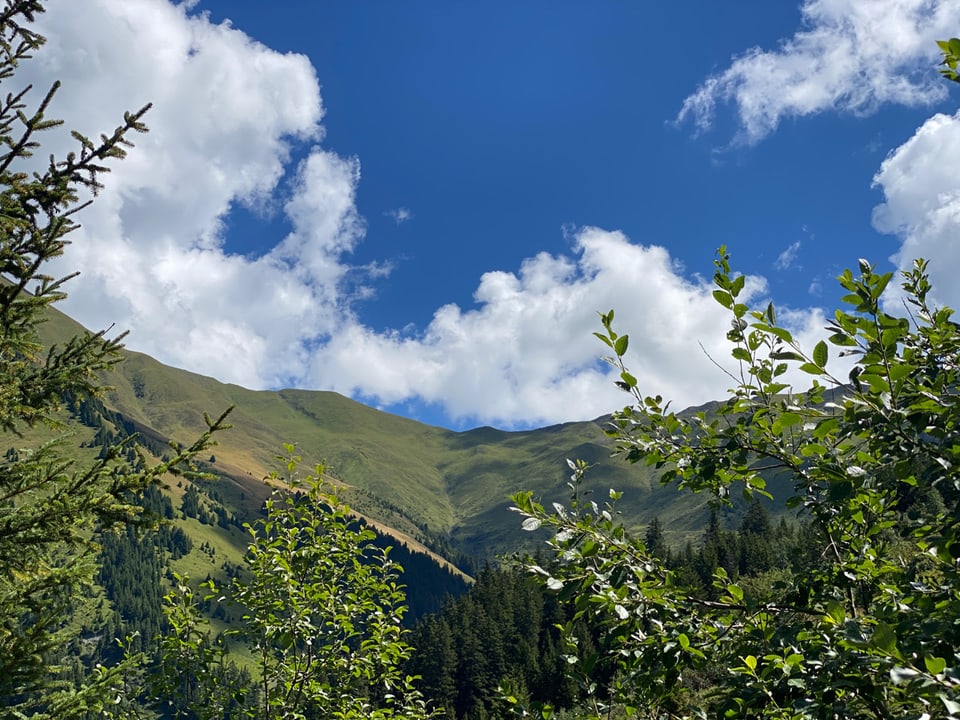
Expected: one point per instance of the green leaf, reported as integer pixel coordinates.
(723, 297)
(531, 524)
(839, 490)
(885, 639)
(789, 419)
(839, 338)
(826, 427)
(620, 346)
(751, 662)
(737, 286)
(820, 354)
(603, 338)
(836, 612)
(786, 355)
(935, 665)
(899, 371)
(780, 332)
(811, 449)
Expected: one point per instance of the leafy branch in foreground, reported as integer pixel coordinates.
(951, 57)
(871, 630)
(322, 614)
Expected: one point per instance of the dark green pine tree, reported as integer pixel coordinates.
(755, 540)
(51, 504)
(190, 505)
(655, 541)
(436, 661)
(711, 555)
(503, 633)
(481, 663)
(130, 570)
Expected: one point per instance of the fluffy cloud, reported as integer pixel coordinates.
(521, 353)
(850, 55)
(922, 204)
(228, 112)
(853, 56)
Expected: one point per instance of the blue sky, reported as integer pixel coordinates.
(496, 125)
(423, 205)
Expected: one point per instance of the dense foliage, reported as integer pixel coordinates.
(951, 57)
(322, 612)
(869, 628)
(507, 632)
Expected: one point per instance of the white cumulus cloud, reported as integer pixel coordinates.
(227, 111)
(922, 204)
(849, 55)
(525, 351)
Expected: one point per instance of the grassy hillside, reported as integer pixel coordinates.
(407, 475)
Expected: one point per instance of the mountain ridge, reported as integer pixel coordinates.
(423, 481)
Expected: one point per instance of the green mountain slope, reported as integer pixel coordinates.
(424, 481)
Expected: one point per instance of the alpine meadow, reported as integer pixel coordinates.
(172, 546)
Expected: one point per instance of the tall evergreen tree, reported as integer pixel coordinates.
(50, 503)
(655, 541)
(437, 663)
(754, 540)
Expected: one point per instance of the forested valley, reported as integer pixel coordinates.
(508, 631)
(468, 643)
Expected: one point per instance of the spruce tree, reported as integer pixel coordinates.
(655, 541)
(49, 502)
